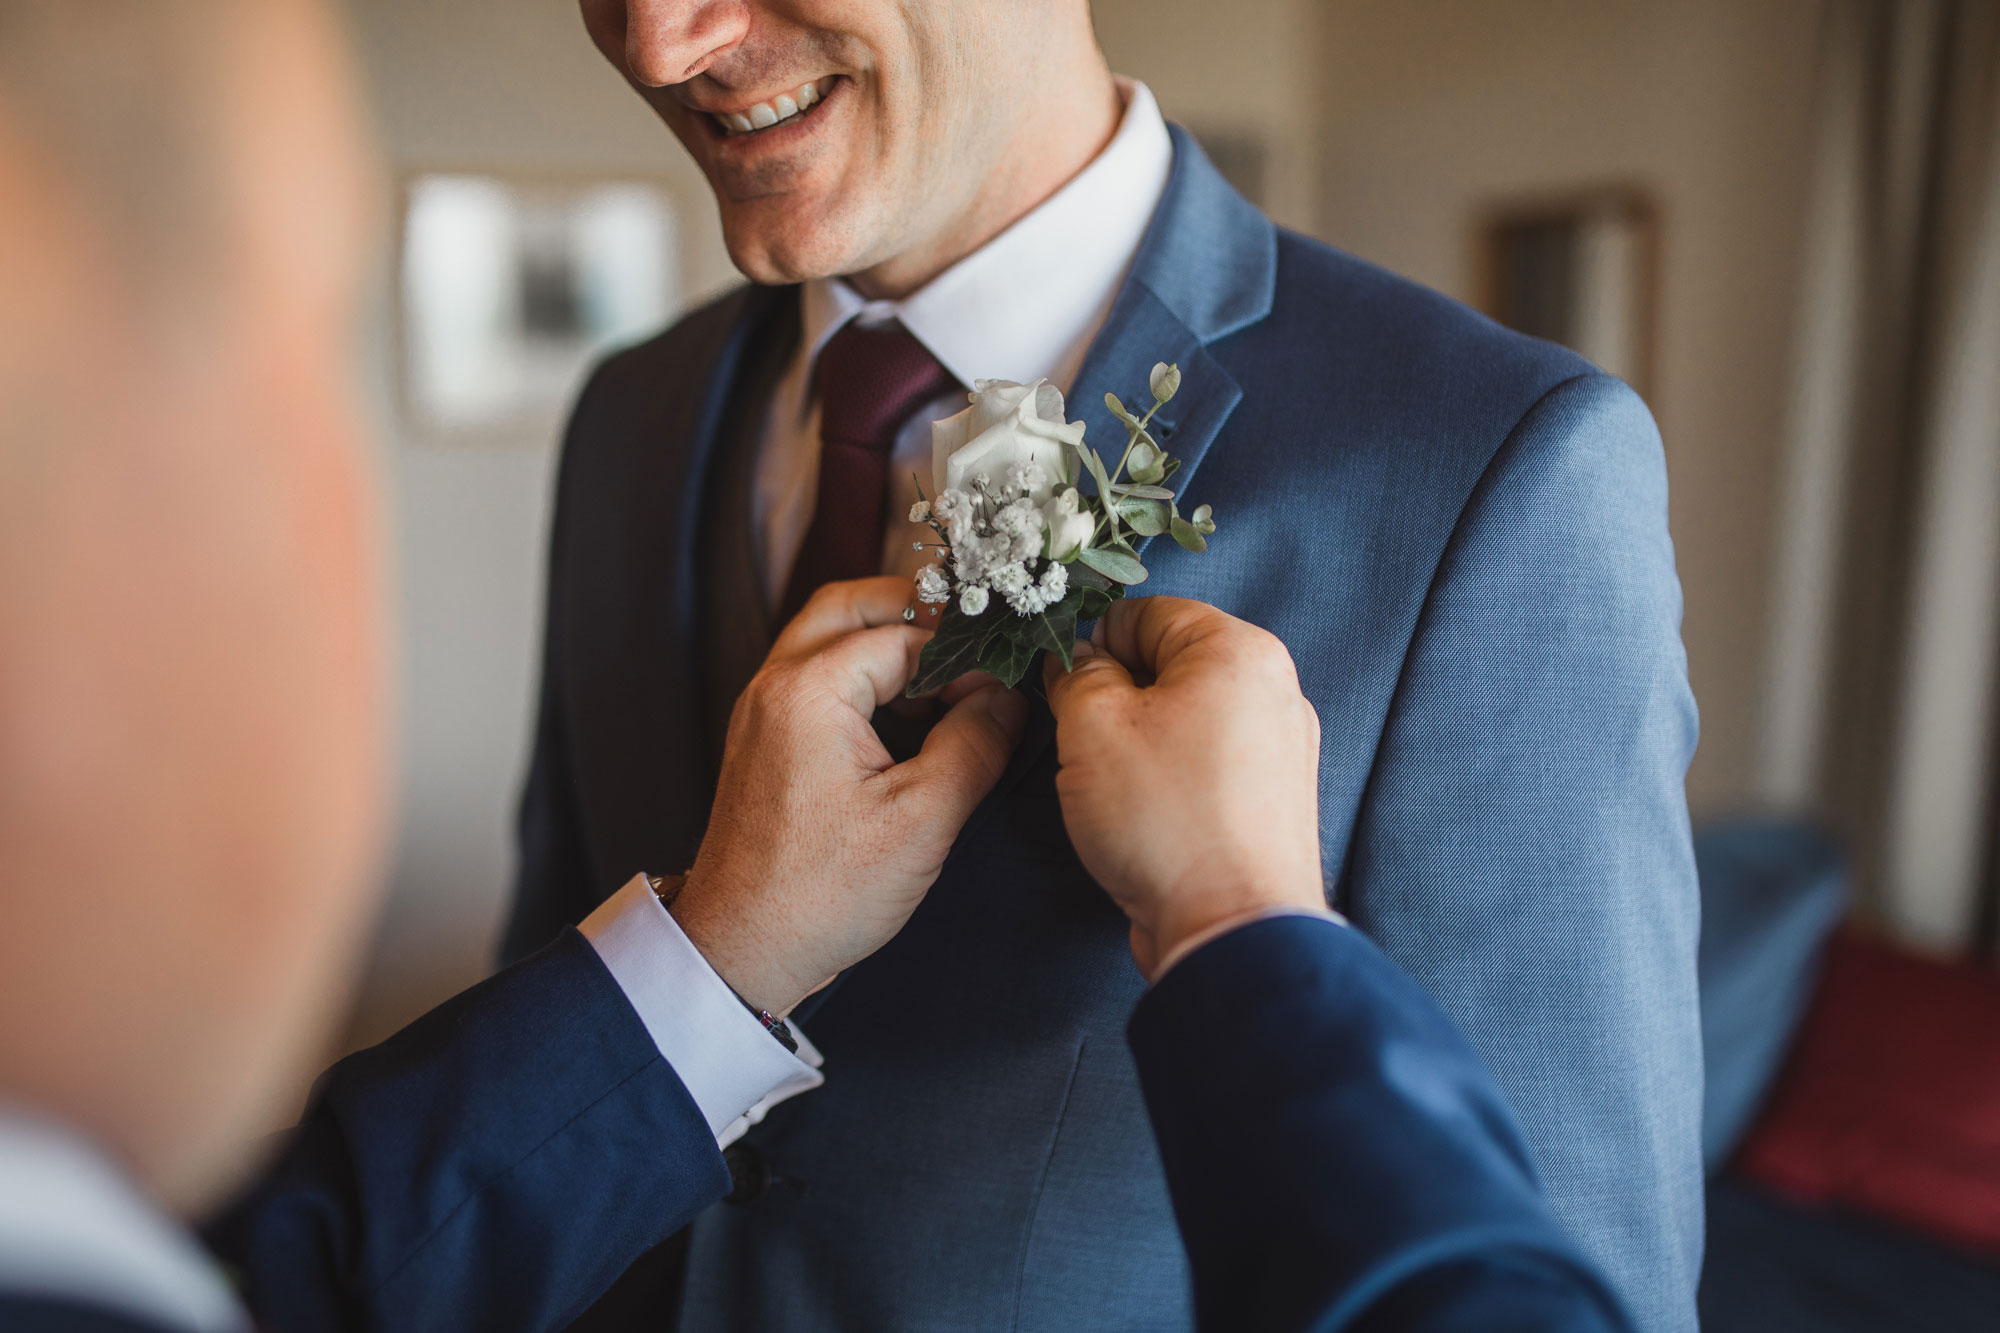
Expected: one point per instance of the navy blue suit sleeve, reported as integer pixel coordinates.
(1523, 847)
(30, 1315)
(1338, 1156)
(495, 1165)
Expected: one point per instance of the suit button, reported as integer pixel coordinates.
(749, 1173)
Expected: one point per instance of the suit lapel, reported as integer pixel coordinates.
(1206, 268)
(1120, 362)
(734, 632)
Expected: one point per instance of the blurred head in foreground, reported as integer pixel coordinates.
(191, 683)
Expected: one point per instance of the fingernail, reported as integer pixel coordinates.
(1007, 708)
(1084, 648)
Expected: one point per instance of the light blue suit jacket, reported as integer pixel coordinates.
(1460, 533)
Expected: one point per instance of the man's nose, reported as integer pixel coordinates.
(671, 41)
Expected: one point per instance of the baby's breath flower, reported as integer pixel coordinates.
(1020, 526)
(956, 511)
(932, 585)
(974, 556)
(1034, 598)
(1026, 477)
(920, 512)
(973, 600)
(1011, 578)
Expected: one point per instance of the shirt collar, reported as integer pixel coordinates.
(1025, 305)
(74, 1229)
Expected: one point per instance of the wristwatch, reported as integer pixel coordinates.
(667, 888)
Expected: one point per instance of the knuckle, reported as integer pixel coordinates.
(1269, 653)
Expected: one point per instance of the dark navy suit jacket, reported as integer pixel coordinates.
(1460, 533)
(1338, 1159)
(493, 1166)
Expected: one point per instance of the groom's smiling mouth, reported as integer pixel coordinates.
(774, 112)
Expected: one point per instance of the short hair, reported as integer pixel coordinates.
(122, 97)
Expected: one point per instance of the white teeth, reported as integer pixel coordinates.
(780, 108)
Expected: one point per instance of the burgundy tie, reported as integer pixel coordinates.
(870, 380)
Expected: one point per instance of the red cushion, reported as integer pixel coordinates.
(1890, 1104)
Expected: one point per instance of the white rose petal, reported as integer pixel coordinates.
(1006, 424)
(1069, 529)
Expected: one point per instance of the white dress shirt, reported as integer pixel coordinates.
(75, 1229)
(731, 1066)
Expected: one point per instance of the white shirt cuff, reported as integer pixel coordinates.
(732, 1067)
(1227, 924)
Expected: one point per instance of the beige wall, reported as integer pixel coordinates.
(506, 85)
(1245, 67)
(1387, 122)
(1431, 108)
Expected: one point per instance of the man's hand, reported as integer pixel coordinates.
(819, 847)
(1190, 770)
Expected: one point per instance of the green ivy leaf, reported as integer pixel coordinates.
(1054, 630)
(1010, 652)
(1098, 592)
(1187, 535)
(1121, 566)
(955, 649)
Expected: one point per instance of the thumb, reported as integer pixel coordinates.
(963, 757)
(1097, 674)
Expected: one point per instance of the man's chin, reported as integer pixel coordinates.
(780, 247)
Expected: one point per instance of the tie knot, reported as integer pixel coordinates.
(871, 379)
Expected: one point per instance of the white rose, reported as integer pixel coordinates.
(1069, 530)
(1007, 424)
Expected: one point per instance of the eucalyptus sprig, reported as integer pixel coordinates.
(1025, 561)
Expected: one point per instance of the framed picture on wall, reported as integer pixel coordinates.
(509, 286)
(1581, 268)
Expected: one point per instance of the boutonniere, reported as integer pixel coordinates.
(1023, 554)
